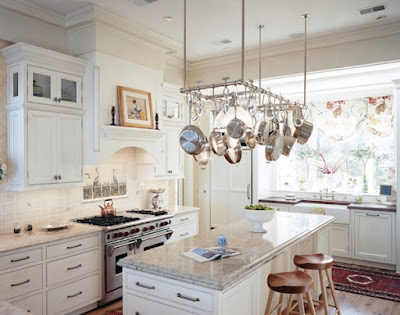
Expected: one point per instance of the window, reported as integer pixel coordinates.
(351, 149)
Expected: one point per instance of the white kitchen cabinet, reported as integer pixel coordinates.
(374, 235)
(279, 206)
(341, 240)
(184, 225)
(44, 116)
(45, 77)
(171, 107)
(54, 148)
(59, 277)
(171, 161)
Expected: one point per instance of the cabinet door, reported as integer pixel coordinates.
(69, 148)
(160, 168)
(42, 147)
(41, 85)
(373, 236)
(174, 152)
(172, 109)
(69, 89)
(340, 240)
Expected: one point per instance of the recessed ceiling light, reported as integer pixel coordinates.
(296, 35)
(381, 17)
(169, 19)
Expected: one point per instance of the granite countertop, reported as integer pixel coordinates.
(11, 241)
(256, 248)
(387, 206)
(355, 206)
(177, 210)
(10, 309)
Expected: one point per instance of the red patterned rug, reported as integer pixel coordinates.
(369, 281)
(117, 311)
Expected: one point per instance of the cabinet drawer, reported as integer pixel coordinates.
(72, 246)
(171, 292)
(184, 218)
(72, 267)
(278, 207)
(183, 231)
(73, 296)
(21, 282)
(21, 258)
(138, 305)
(32, 304)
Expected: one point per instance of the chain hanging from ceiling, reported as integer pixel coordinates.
(243, 113)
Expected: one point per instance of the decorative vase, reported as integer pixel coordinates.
(365, 184)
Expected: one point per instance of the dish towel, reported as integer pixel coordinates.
(318, 210)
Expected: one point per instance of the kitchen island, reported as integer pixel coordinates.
(163, 281)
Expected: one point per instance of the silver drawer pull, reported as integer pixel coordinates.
(184, 234)
(372, 215)
(20, 259)
(145, 286)
(188, 298)
(75, 246)
(185, 219)
(17, 284)
(72, 268)
(73, 295)
(137, 313)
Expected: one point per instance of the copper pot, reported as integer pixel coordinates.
(108, 210)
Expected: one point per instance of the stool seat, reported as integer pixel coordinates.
(294, 282)
(314, 262)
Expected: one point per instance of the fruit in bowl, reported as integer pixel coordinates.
(257, 215)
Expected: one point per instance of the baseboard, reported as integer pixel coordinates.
(364, 263)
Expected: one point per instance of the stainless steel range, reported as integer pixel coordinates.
(128, 233)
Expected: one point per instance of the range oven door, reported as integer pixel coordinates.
(147, 242)
(114, 252)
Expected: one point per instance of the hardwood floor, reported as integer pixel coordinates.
(349, 304)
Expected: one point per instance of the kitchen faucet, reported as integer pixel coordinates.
(325, 195)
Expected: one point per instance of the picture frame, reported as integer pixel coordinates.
(135, 108)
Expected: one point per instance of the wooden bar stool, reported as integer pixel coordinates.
(294, 282)
(320, 262)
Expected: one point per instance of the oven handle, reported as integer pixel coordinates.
(157, 235)
(166, 233)
(110, 250)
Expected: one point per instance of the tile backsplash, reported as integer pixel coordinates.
(132, 168)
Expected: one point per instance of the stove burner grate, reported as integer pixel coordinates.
(107, 221)
(150, 212)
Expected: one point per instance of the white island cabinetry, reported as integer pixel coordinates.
(172, 284)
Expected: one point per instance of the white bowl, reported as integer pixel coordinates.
(258, 217)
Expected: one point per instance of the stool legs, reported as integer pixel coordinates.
(310, 303)
(323, 289)
(329, 276)
(301, 304)
(289, 304)
(269, 303)
(280, 304)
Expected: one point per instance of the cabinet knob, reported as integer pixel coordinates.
(59, 176)
(55, 99)
(55, 177)
(59, 99)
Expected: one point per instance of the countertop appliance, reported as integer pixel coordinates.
(128, 233)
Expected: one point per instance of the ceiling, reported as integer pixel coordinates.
(211, 20)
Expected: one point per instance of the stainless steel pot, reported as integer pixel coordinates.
(204, 157)
(217, 143)
(236, 127)
(250, 138)
(229, 141)
(274, 146)
(192, 139)
(234, 155)
(263, 131)
(303, 133)
(288, 143)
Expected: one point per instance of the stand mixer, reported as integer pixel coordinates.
(157, 201)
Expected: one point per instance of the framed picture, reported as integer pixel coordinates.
(135, 109)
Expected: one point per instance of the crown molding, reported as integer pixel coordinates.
(298, 46)
(93, 13)
(32, 12)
